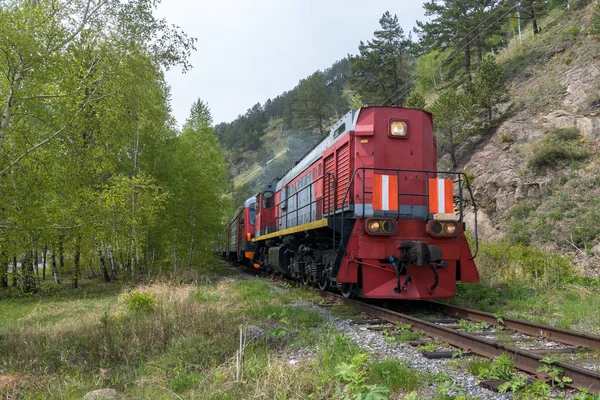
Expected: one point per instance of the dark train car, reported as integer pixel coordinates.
(367, 211)
(237, 244)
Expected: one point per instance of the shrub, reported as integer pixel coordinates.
(573, 30)
(501, 262)
(552, 152)
(140, 302)
(519, 233)
(523, 210)
(507, 139)
(565, 134)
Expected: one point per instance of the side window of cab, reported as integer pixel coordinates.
(268, 199)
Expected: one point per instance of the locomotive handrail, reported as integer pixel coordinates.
(331, 182)
(426, 194)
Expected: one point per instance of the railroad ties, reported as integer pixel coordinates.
(526, 343)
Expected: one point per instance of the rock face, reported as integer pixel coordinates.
(102, 394)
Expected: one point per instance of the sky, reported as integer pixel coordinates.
(251, 50)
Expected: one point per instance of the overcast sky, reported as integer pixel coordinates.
(251, 50)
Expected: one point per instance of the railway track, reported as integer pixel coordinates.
(525, 360)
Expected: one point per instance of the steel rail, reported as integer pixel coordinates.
(549, 332)
(524, 360)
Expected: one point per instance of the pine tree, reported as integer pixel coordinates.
(310, 107)
(489, 88)
(416, 100)
(381, 71)
(453, 113)
(461, 25)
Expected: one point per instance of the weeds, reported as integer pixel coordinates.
(140, 302)
(469, 326)
(500, 368)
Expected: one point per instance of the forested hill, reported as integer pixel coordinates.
(281, 130)
(512, 86)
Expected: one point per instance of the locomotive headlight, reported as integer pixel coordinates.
(381, 226)
(450, 228)
(373, 226)
(442, 228)
(436, 228)
(399, 129)
(388, 226)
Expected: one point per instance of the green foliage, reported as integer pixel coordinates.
(469, 326)
(456, 23)
(477, 366)
(428, 347)
(453, 112)
(514, 384)
(501, 261)
(381, 70)
(554, 371)
(415, 100)
(519, 233)
(557, 148)
(489, 88)
(500, 368)
(312, 102)
(523, 210)
(140, 302)
(353, 376)
(507, 139)
(430, 71)
(595, 23)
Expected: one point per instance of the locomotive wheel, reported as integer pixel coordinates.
(324, 284)
(346, 289)
(306, 280)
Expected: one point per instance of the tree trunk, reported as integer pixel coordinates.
(175, 251)
(61, 254)
(15, 274)
(536, 30)
(103, 265)
(468, 61)
(54, 269)
(77, 271)
(453, 152)
(479, 49)
(113, 269)
(35, 263)
(29, 284)
(44, 255)
(3, 271)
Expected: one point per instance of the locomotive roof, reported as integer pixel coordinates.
(345, 124)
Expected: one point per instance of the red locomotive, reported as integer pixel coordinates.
(365, 210)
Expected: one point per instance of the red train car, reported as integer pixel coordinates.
(367, 211)
(237, 242)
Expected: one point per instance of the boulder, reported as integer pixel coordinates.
(102, 394)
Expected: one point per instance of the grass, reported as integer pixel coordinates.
(524, 282)
(164, 340)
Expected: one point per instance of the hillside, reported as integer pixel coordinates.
(536, 176)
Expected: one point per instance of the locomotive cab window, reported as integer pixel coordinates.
(252, 212)
(268, 199)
